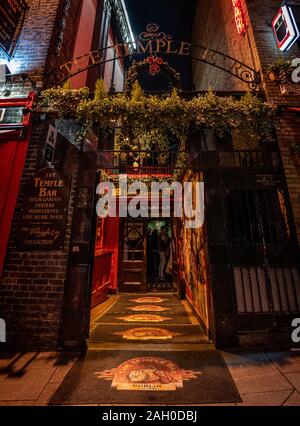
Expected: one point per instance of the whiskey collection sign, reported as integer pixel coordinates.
(44, 216)
(11, 13)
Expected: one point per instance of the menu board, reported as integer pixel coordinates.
(11, 12)
(44, 216)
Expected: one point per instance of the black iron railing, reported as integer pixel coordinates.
(249, 159)
(253, 295)
(148, 162)
(169, 160)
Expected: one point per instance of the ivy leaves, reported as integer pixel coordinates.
(145, 116)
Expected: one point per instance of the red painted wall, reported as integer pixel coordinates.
(111, 238)
(105, 270)
(83, 43)
(109, 66)
(12, 160)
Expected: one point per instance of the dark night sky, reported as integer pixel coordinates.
(174, 17)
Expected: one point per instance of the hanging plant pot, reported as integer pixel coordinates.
(279, 72)
(273, 76)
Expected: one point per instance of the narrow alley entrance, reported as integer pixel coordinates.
(150, 318)
(145, 260)
(147, 349)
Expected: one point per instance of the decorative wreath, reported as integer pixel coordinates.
(155, 66)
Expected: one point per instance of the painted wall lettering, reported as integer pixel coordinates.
(62, 26)
(44, 213)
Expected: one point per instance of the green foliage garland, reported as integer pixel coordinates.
(168, 115)
(137, 66)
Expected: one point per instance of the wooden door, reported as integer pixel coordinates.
(133, 268)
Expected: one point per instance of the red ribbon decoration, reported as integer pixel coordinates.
(154, 65)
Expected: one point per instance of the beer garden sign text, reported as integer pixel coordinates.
(44, 215)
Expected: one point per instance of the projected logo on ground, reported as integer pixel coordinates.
(148, 374)
(148, 300)
(147, 333)
(144, 318)
(149, 308)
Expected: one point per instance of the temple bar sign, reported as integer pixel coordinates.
(44, 215)
(151, 42)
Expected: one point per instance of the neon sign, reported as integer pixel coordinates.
(240, 18)
(285, 29)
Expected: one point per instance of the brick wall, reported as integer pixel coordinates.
(32, 284)
(260, 13)
(64, 34)
(32, 46)
(288, 124)
(215, 27)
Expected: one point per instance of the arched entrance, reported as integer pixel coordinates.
(155, 45)
(239, 264)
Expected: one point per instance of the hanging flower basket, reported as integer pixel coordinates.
(280, 71)
(272, 75)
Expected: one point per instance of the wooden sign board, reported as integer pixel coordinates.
(44, 216)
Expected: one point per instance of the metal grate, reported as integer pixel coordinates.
(285, 284)
(251, 290)
(249, 159)
(244, 208)
(242, 217)
(252, 294)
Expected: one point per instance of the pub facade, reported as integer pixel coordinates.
(239, 271)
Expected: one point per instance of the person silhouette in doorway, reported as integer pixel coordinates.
(163, 250)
